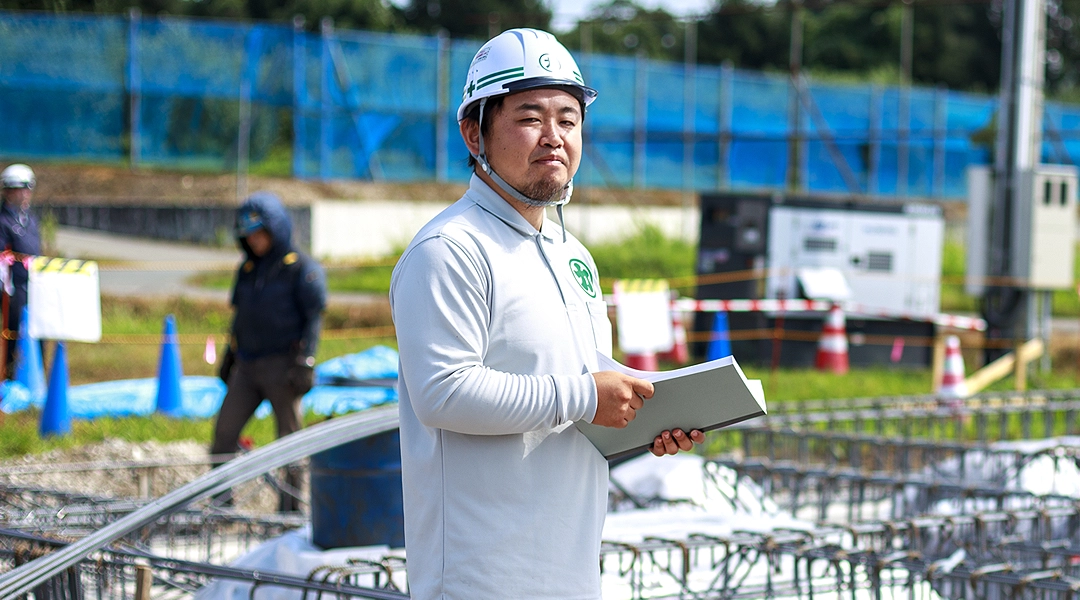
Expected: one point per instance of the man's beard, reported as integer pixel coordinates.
(545, 192)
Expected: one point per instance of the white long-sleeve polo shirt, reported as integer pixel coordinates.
(498, 326)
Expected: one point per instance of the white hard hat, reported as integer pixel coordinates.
(521, 59)
(18, 176)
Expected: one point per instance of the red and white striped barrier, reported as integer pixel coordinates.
(849, 308)
(689, 304)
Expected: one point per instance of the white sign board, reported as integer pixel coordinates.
(64, 299)
(823, 283)
(643, 315)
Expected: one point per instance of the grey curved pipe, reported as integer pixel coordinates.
(291, 448)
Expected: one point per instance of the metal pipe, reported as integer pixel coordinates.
(285, 450)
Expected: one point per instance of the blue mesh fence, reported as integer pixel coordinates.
(180, 93)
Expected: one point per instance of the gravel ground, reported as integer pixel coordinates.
(119, 469)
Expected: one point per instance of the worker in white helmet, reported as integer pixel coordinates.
(19, 238)
(499, 318)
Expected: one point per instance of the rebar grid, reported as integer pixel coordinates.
(113, 572)
(928, 557)
(870, 468)
(918, 558)
(888, 458)
(986, 417)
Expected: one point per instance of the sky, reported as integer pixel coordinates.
(568, 12)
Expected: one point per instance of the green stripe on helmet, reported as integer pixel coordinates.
(499, 76)
(494, 81)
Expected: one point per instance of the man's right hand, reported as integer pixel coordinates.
(227, 361)
(618, 397)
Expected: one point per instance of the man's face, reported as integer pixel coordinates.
(260, 242)
(19, 197)
(534, 142)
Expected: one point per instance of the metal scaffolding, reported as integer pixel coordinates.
(883, 498)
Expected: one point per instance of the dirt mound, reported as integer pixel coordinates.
(117, 468)
(69, 184)
(95, 184)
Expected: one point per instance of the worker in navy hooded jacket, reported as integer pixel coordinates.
(278, 297)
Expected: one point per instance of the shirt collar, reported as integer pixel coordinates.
(489, 200)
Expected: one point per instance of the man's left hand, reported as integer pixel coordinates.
(671, 442)
(301, 375)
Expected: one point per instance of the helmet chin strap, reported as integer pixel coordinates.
(481, 159)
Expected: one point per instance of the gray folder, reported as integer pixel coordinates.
(705, 396)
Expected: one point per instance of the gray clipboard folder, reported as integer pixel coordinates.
(706, 396)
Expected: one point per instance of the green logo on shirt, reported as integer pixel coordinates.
(584, 276)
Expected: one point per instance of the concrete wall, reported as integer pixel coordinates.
(354, 229)
(205, 225)
(342, 229)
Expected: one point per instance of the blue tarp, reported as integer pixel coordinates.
(202, 396)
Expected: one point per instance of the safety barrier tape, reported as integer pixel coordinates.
(772, 305)
(386, 331)
(639, 286)
(45, 264)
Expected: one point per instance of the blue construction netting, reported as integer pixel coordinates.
(179, 93)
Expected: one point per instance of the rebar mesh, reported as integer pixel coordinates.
(893, 498)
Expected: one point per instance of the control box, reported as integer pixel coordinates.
(1045, 236)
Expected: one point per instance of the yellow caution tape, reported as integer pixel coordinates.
(45, 264)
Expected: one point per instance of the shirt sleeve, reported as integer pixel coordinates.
(311, 300)
(440, 302)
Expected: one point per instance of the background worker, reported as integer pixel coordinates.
(19, 236)
(499, 317)
(278, 298)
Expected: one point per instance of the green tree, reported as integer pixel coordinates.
(852, 37)
(350, 14)
(371, 15)
(480, 19)
(748, 33)
(1063, 49)
(624, 27)
(958, 45)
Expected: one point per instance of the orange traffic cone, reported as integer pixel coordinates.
(680, 352)
(832, 353)
(643, 361)
(952, 377)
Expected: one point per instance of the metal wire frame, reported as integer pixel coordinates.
(200, 532)
(890, 457)
(956, 557)
(1006, 553)
(111, 573)
(23, 578)
(991, 555)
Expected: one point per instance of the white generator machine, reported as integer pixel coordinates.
(890, 260)
(882, 257)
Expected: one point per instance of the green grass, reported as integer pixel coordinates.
(647, 254)
(132, 329)
(367, 277)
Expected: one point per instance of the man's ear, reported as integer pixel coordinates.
(470, 132)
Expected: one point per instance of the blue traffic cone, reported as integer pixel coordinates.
(720, 340)
(28, 368)
(169, 371)
(55, 417)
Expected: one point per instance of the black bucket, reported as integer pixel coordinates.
(356, 494)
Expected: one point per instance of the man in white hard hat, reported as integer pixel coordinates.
(499, 317)
(19, 238)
